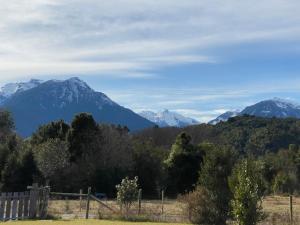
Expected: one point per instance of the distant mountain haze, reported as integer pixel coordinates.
(167, 118)
(36, 103)
(224, 117)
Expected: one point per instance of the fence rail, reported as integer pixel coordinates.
(88, 197)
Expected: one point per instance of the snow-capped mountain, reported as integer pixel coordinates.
(54, 99)
(224, 117)
(11, 88)
(276, 107)
(167, 118)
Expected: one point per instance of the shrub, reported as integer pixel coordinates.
(127, 193)
(198, 206)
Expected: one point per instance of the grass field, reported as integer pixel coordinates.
(276, 207)
(150, 210)
(82, 222)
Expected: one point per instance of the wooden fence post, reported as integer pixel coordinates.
(80, 202)
(2, 206)
(26, 205)
(44, 201)
(291, 209)
(14, 205)
(47, 200)
(88, 203)
(8, 206)
(140, 201)
(162, 201)
(21, 206)
(33, 201)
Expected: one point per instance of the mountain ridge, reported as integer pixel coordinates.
(276, 107)
(55, 99)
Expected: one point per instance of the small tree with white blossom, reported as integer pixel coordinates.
(127, 193)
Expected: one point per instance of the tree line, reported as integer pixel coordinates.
(177, 160)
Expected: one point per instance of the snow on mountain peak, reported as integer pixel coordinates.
(284, 103)
(225, 117)
(167, 118)
(12, 88)
(76, 82)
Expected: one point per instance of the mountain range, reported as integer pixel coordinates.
(167, 118)
(35, 103)
(279, 108)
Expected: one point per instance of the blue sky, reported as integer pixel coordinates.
(199, 58)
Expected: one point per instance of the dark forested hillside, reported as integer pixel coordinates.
(246, 134)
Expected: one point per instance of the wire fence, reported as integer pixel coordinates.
(279, 210)
(73, 206)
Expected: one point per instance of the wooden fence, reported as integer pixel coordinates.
(88, 197)
(24, 205)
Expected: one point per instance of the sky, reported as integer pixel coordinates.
(196, 57)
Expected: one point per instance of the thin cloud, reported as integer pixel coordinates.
(139, 35)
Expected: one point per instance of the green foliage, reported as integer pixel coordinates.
(6, 122)
(183, 164)
(285, 183)
(19, 171)
(4, 153)
(245, 134)
(217, 167)
(148, 162)
(53, 130)
(82, 135)
(282, 171)
(247, 187)
(9, 174)
(52, 157)
(127, 193)
(181, 146)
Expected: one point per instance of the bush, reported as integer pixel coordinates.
(127, 193)
(198, 206)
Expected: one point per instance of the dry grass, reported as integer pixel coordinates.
(81, 222)
(275, 207)
(150, 210)
(277, 210)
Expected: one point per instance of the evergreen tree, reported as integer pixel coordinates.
(246, 184)
(82, 136)
(6, 124)
(53, 130)
(217, 167)
(19, 171)
(148, 163)
(183, 164)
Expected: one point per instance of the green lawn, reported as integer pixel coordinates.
(82, 222)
